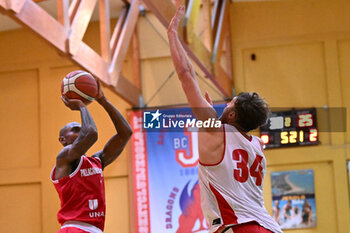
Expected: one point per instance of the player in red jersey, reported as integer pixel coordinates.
(77, 178)
(231, 162)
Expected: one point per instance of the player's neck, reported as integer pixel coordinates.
(245, 134)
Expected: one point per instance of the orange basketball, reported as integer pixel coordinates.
(79, 85)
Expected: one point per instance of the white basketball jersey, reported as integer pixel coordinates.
(231, 191)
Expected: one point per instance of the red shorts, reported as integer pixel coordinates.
(249, 227)
(71, 230)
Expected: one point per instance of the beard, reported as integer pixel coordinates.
(224, 116)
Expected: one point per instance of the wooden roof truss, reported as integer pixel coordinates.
(67, 31)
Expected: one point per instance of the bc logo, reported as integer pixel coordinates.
(186, 149)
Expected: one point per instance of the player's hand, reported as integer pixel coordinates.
(207, 97)
(178, 3)
(174, 23)
(100, 94)
(73, 104)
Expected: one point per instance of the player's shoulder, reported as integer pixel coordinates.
(94, 158)
(212, 146)
(259, 141)
(64, 153)
(98, 158)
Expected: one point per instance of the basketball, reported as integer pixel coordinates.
(79, 85)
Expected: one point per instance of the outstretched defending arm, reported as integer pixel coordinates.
(116, 144)
(202, 107)
(185, 71)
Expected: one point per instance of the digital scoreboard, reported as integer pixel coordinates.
(290, 128)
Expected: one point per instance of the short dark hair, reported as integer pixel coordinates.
(251, 111)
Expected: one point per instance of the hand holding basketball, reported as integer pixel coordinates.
(73, 104)
(80, 85)
(100, 93)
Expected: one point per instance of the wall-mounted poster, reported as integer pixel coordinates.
(293, 198)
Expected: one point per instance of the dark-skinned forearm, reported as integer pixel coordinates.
(87, 136)
(120, 123)
(88, 125)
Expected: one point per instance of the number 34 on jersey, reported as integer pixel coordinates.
(242, 171)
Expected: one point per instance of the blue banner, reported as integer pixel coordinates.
(173, 197)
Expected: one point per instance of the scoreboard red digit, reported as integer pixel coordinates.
(290, 128)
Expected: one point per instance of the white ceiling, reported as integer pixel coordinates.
(7, 23)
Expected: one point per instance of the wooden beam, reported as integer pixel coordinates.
(117, 30)
(207, 33)
(15, 5)
(164, 10)
(223, 78)
(201, 52)
(136, 66)
(228, 53)
(222, 30)
(216, 15)
(220, 33)
(80, 22)
(92, 61)
(124, 41)
(222, 36)
(219, 82)
(39, 21)
(73, 9)
(63, 14)
(191, 18)
(105, 29)
(127, 90)
(89, 59)
(43, 23)
(3, 4)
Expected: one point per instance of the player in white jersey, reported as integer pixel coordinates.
(232, 163)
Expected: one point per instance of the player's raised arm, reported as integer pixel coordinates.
(185, 70)
(75, 143)
(116, 144)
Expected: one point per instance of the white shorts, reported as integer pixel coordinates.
(82, 225)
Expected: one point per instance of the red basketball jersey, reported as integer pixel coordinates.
(82, 193)
(231, 191)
